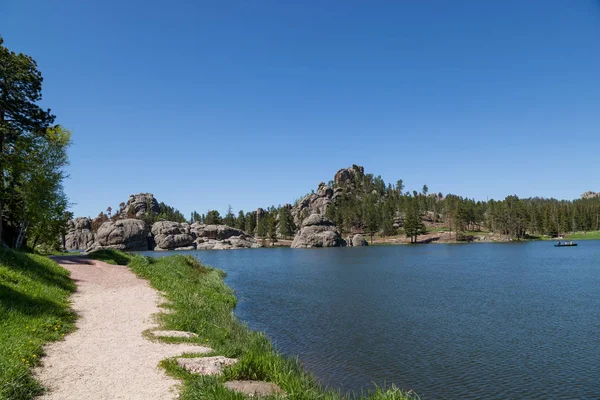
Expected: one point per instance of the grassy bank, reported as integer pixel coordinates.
(34, 309)
(591, 235)
(203, 304)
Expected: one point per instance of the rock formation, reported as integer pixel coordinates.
(590, 195)
(221, 237)
(125, 234)
(318, 231)
(347, 176)
(315, 203)
(139, 204)
(358, 240)
(170, 235)
(79, 234)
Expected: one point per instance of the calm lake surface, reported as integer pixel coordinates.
(494, 321)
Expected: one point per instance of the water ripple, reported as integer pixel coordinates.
(515, 321)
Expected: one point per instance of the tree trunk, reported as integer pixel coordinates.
(37, 238)
(21, 236)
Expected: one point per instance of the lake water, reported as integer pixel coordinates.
(494, 321)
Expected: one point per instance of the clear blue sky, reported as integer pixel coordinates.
(252, 103)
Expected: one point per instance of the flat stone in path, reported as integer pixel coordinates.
(174, 334)
(255, 388)
(206, 365)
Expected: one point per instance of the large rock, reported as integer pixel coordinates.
(218, 232)
(79, 234)
(221, 237)
(170, 235)
(318, 231)
(140, 204)
(359, 240)
(347, 176)
(125, 234)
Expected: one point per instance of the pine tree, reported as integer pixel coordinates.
(286, 222)
(213, 218)
(413, 226)
(229, 217)
(241, 221)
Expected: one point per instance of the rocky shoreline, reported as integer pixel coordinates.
(134, 235)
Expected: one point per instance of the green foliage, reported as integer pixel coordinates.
(272, 225)
(413, 226)
(240, 222)
(111, 256)
(34, 309)
(32, 156)
(251, 223)
(261, 226)
(202, 303)
(195, 217)
(213, 218)
(229, 218)
(166, 213)
(287, 228)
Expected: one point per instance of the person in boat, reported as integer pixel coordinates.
(558, 243)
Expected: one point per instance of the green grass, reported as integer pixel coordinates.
(203, 304)
(34, 309)
(583, 235)
(115, 257)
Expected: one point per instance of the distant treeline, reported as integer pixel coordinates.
(370, 205)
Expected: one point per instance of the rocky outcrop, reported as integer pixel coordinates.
(590, 195)
(357, 240)
(318, 231)
(315, 203)
(221, 237)
(217, 232)
(170, 235)
(79, 234)
(125, 234)
(347, 176)
(141, 203)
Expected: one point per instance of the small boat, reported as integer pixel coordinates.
(566, 244)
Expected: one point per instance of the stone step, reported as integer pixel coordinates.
(206, 365)
(174, 334)
(255, 388)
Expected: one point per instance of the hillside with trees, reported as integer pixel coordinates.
(360, 202)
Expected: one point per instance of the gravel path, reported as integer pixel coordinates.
(107, 357)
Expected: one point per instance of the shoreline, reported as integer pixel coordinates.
(200, 301)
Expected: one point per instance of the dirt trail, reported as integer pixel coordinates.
(107, 357)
